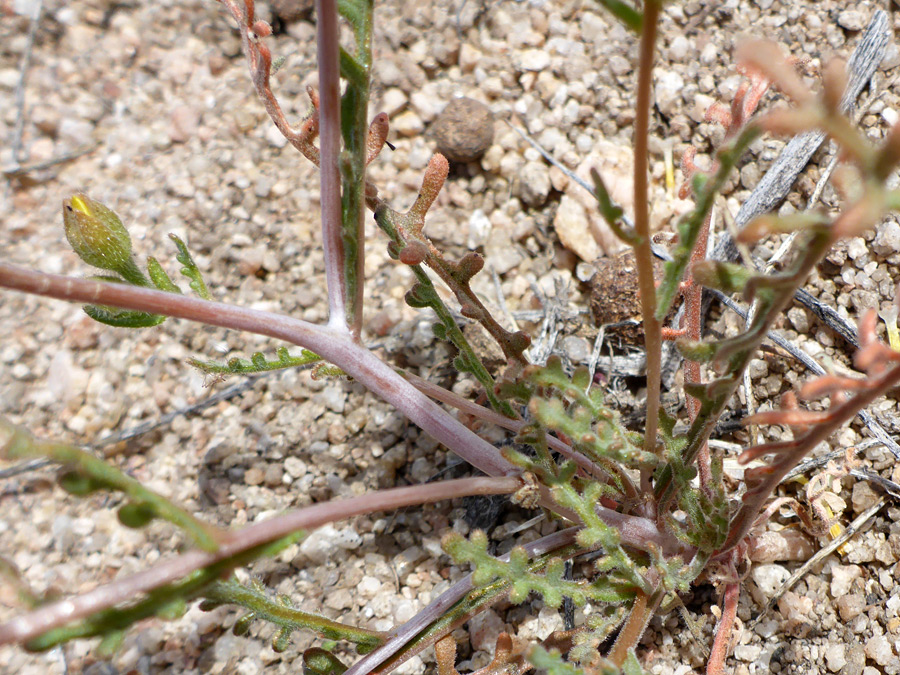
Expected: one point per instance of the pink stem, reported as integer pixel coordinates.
(329, 153)
(333, 346)
(39, 621)
(488, 415)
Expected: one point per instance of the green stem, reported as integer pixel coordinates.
(355, 132)
(267, 609)
(97, 474)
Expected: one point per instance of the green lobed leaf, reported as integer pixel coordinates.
(318, 661)
(726, 277)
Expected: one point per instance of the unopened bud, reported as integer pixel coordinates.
(95, 233)
(99, 238)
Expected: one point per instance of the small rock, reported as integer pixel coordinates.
(748, 653)
(469, 58)
(534, 184)
(479, 229)
(464, 130)
(577, 349)
(274, 475)
(851, 19)
(426, 104)
(408, 124)
(75, 132)
(850, 606)
(46, 119)
(254, 476)
(328, 540)
(887, 238)
(879, 649)
(856, 248)
(534, 60)
(404, 610)
(679, 48)
(339, 599)
(863, 496)
(502, 255)
(619, 65)
(842, 578)
(183, 123)
(393, 101)
(669, 86)
(769, 578)
(795, 608)
(573, 229)
(295, 467)
(799, 320)
(292, 10)
(835, 658)
(484, 630)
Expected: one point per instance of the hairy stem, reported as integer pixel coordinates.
(693, 321)
(641, 612)
(716, 663)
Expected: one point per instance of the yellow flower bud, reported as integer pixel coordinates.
(95, 233)
(99, 238)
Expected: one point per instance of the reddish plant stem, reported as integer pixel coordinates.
(333, 346)
(643, 254)
(336, 347)
(642, 611)
(339, 305)
(693, 322)
(716, 663)
(33, 624)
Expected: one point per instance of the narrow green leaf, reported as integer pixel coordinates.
(159, 277)
(190, 269)
(625, 13)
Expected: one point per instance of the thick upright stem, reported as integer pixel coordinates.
(643, 254)
(340, 303)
